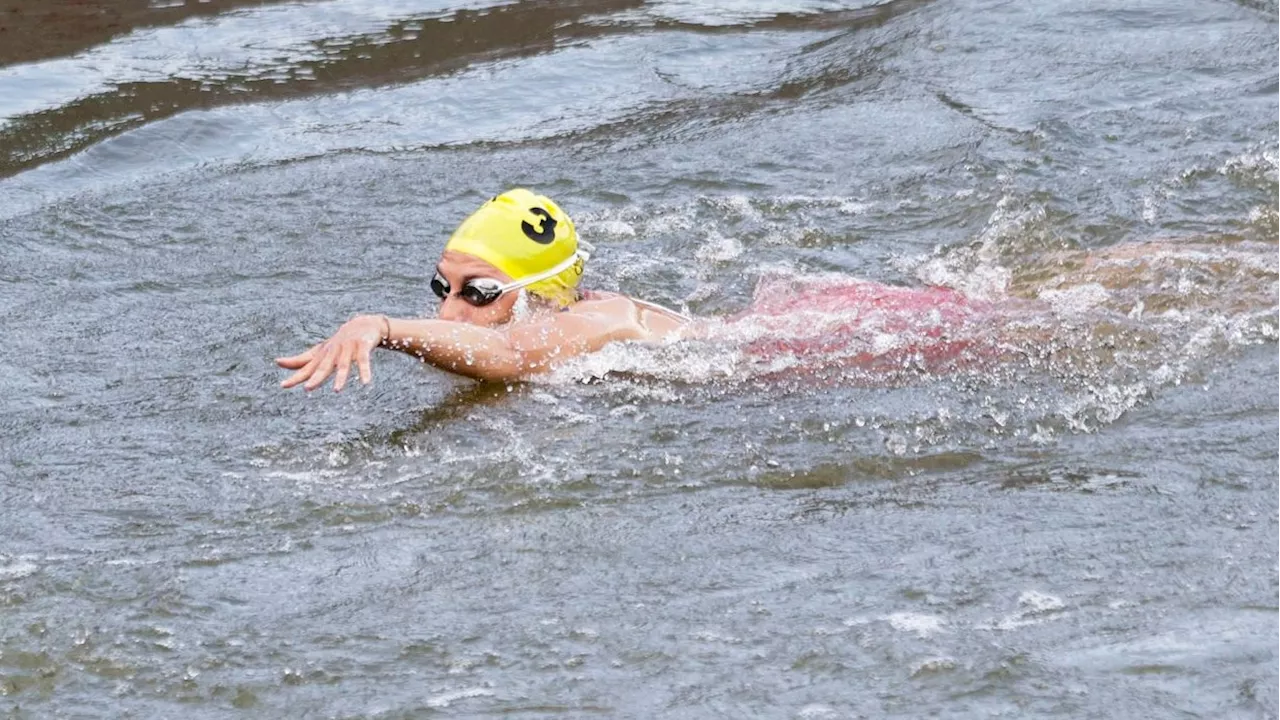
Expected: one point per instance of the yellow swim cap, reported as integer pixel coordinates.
(523, 234)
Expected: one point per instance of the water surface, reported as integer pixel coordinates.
(1087, 529)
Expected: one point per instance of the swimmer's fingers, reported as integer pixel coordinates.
(293, 362)
(343, 367)
(362, 362)
(316, 354)
(351, 343)
(323, 368)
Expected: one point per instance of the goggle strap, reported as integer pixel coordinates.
(580, 253)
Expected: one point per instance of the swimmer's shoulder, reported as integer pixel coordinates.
(595, 301)
(653, 319)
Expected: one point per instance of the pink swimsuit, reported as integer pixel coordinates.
(851, 322)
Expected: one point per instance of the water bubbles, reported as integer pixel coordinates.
(1075, 301)
(609, 228)
(16, 568)
(337, 457)
(933, 666)
(718, 248)
(1043, 435)
(853, 207)
(1033, 607)
(1149, 206)
(816, 711)
(896, 444)
(920, 625)
(1260, 165)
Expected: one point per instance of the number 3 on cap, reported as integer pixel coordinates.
(546, 231)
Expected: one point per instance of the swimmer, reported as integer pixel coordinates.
(510, 306)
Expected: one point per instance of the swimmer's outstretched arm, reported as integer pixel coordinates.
(470, 350)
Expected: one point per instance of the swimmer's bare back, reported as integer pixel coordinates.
(638, 320)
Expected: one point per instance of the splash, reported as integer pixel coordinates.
(808, 324)
(1095, 333)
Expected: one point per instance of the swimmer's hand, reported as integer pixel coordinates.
(352, 343)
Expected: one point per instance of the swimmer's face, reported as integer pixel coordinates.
(457, 268)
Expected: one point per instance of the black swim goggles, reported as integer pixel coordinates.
(482, 291)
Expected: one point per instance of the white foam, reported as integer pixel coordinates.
(853, 207)
(815, 711)
(714, 637)
(1261, 213)
(737, 204)
(611, 228)
(1262, 164)
(444, 700)
(1149, 205)
(1035, 607)
(843, 205)
(1035, 603)
(718, 248)
(961, 271)
(16, 568)
(933, 665)
(685, 362)
(921, 625)
(1076, 300)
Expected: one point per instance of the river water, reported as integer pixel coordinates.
(1086, 527)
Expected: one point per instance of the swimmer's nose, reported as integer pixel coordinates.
(454, 308)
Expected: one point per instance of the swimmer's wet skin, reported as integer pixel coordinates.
(510, 305)
(510, 308)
